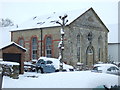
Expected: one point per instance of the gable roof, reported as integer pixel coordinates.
(50, 19)
(95, 15)
(99, 19)
(14, 44)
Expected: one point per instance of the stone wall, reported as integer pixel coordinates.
(83, 26)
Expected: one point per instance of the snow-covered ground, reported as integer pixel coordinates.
(76, 79)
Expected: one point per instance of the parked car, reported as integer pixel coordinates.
(106, 68)
(43, 66)
(48, 65)
(29, 67)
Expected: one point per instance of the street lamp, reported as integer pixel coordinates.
(61, 44)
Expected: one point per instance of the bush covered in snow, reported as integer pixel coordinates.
(10, 69)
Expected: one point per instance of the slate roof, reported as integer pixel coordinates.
(49, 20)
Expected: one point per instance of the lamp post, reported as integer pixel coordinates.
(61, 44)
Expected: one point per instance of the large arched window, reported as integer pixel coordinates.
(78, 48)
(48, 47)
(21, 42)
(34, 48)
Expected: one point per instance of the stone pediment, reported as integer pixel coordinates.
(90, 19)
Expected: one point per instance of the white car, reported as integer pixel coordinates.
(106, 68)
(56, 63)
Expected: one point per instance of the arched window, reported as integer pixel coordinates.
(100, 48)
(48, 47)
(78, 48)
(34, 48)
(21, 42)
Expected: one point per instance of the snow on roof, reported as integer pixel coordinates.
(8, 63)
(56, 62)
(49, 20)
(15, 44)
(105, 65)
(27, 63)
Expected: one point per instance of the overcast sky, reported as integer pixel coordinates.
(21, 10)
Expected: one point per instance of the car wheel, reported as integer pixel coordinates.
(57, 70)
(40, 70)
(64, 70)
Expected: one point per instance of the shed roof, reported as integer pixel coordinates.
(14, 44)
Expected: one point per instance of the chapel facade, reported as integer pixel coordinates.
(85, 40)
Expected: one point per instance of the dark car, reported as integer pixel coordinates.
(44, 66)
(29, 67)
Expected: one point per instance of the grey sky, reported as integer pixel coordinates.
(20, 11)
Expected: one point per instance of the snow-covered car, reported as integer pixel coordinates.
(53, 64)
(29, 67)
(106, 68)
(43, 66)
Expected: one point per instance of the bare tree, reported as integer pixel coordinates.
(6, 22)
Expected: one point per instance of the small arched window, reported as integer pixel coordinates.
(34, 48)
(48, 47)
(21, 42)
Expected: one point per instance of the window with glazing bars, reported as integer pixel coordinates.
(21, 42)
(34, 48)
(48, 47)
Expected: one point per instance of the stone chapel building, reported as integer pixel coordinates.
(85, 41)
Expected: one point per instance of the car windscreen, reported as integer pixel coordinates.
(40, 61)
(112, 68)
(96, 67)
(49, 62)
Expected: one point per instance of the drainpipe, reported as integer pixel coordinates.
(41, 40)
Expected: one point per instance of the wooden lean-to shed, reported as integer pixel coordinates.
(14, 53)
